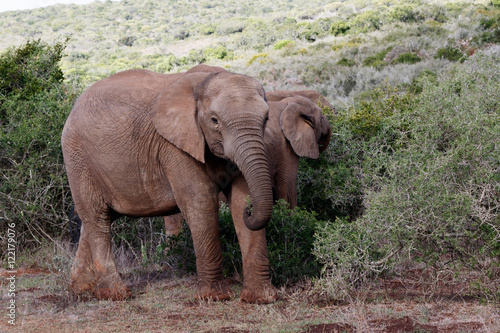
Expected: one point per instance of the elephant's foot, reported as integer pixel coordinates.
(215, 291)
(112, 287)
(82, 289)
(259, 294)
(85, 285)
(83, 281)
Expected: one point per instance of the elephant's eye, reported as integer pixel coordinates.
(214, 120)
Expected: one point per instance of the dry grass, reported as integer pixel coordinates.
(162, 302)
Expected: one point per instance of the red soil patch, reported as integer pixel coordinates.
(330, 328)
(25, 271)
(405, 324)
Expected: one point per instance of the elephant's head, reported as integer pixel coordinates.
(225, 112)
(304, 126)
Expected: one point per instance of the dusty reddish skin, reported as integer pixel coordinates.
(146, 144)
(288, 136)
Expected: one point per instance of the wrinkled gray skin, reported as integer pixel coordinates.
(146, 144)
(296, 127)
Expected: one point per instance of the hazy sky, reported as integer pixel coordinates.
(6, 5)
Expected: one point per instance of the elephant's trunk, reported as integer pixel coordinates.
(251, 159)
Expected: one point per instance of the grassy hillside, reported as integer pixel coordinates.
(411, 178)
(339, 48)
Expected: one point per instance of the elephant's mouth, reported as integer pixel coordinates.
(217, 148)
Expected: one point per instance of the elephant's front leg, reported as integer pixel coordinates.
(257, 287)
(198, 203)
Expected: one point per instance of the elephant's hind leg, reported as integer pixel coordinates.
(94, 269)
(82, 273)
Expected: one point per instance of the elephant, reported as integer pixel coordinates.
(140, 143)
(296, 128)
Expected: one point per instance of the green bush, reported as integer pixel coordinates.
(178, 251)
(263, 57)
(403, 13)
(366, 21)
(346, 62)
(289, 234)
(407, 58)
(217, 52)
(451, 53)
(332, 185)
(30, 69)
(127, 40)
(339, 28)
(290, 237)
(207, 30)
(34, 104)
(377, 60)
(283, 43)
(430, 184)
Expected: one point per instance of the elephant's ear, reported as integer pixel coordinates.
(326, 133)
(297, 124)
(174, 115)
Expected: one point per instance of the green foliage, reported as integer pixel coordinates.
(339, 28)
(263, 57)
(34, 104)
(366, 21)
(348, 255)
(290, 237)
(377, 60)
(178, 251)
(283, 43)
(346, 62)
(354, 182)
(30, 69)
(490, 23)
(451, 53)
(403, 13)
(417, 84)
(289, 234)
(407, 58)
(430, 183)
(217, 52)
(207, 30)
(127, 40)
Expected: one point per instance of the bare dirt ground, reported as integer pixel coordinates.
(162, 302)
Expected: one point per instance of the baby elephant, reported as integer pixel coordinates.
(296, 127)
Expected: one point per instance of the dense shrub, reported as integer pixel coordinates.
(403, 13)
(263, 57)
(282, 43)
(377, 60)
(407, 58)
(346, 62)
(34, 104)
(339, 28)
(217, 52)
(332, 185)
(127, 40)
(30, 69)
(431, 185)
(451, 53)
(289, 234)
